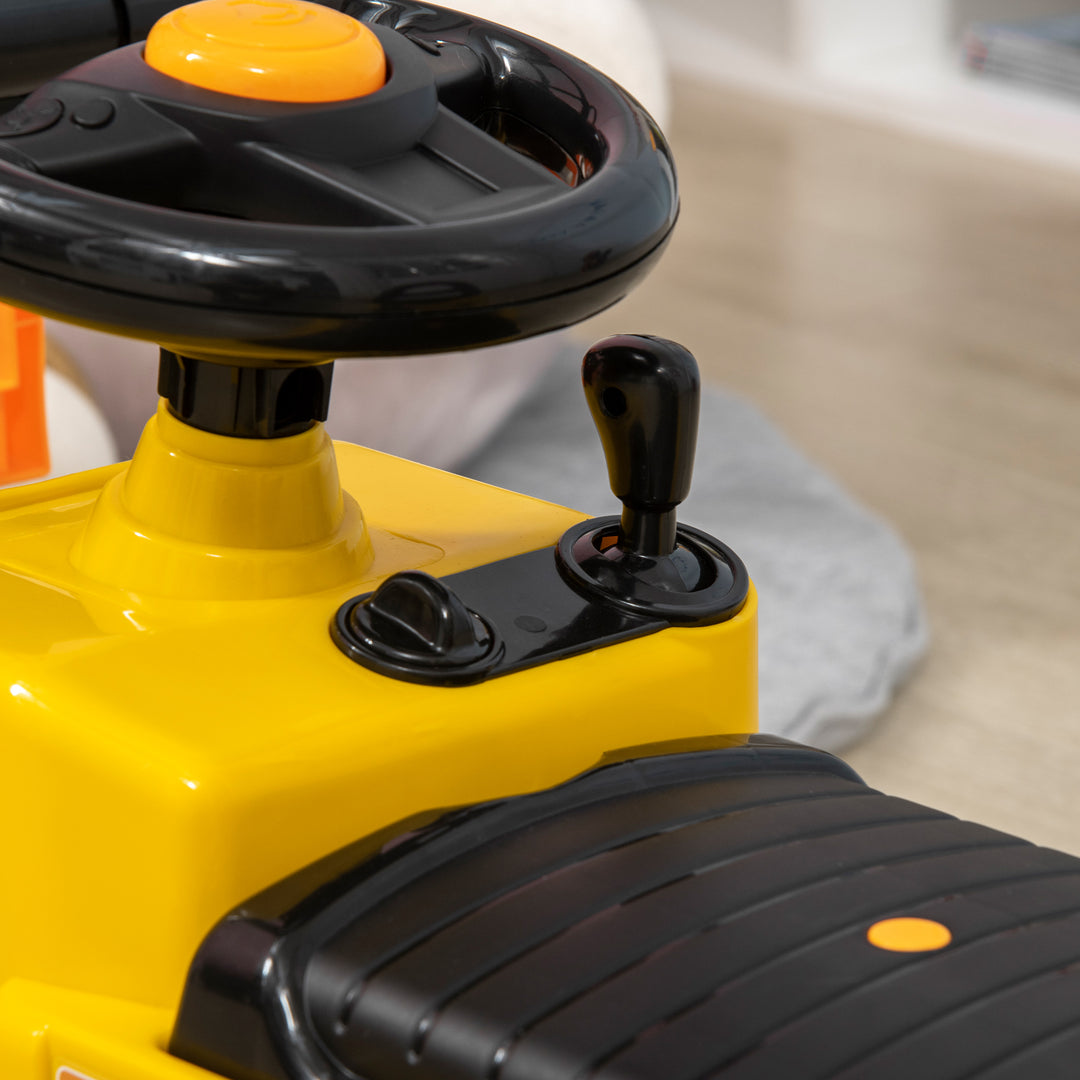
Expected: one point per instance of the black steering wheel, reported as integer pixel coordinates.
(493, 189)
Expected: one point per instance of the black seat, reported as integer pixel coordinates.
(672, 918)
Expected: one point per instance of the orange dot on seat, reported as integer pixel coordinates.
(269, 50)
(909, 935)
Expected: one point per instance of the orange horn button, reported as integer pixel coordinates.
(271, 50)
(909, 935)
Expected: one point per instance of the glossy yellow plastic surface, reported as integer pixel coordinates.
(271, 50)
(209, 517)
(168, 754)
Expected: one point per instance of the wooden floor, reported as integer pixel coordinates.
(909, 314)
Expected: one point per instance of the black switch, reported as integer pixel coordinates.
(415, 627)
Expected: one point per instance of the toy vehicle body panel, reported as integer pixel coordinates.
(150, 800)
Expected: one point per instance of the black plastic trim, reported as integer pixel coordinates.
(535, 610)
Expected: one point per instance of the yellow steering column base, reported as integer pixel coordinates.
(211, 517)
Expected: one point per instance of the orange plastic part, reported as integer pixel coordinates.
(271, 50)
(24, 442)
(909, 935)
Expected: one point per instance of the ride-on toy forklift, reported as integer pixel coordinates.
(324, 765)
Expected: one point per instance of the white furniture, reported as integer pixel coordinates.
(896, 61)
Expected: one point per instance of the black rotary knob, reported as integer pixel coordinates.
(415, 627)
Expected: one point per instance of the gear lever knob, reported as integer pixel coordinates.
(644, 394)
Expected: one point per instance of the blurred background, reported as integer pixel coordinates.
(909, 63)
(880, 247)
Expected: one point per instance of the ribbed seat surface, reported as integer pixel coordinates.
(683, 925)
(680, 917)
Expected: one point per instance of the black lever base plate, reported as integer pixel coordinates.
(533, 615)
(535, 611)
(701, 582)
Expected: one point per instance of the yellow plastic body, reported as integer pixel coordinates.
(168, 753)
(271, 50)
(208, 517)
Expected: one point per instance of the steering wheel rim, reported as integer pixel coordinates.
(522, 257)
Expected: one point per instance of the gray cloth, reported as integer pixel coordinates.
(841, 621)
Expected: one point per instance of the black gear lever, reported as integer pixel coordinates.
(644, 395)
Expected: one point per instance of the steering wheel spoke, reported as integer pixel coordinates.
(483, 157)
(293, 188)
